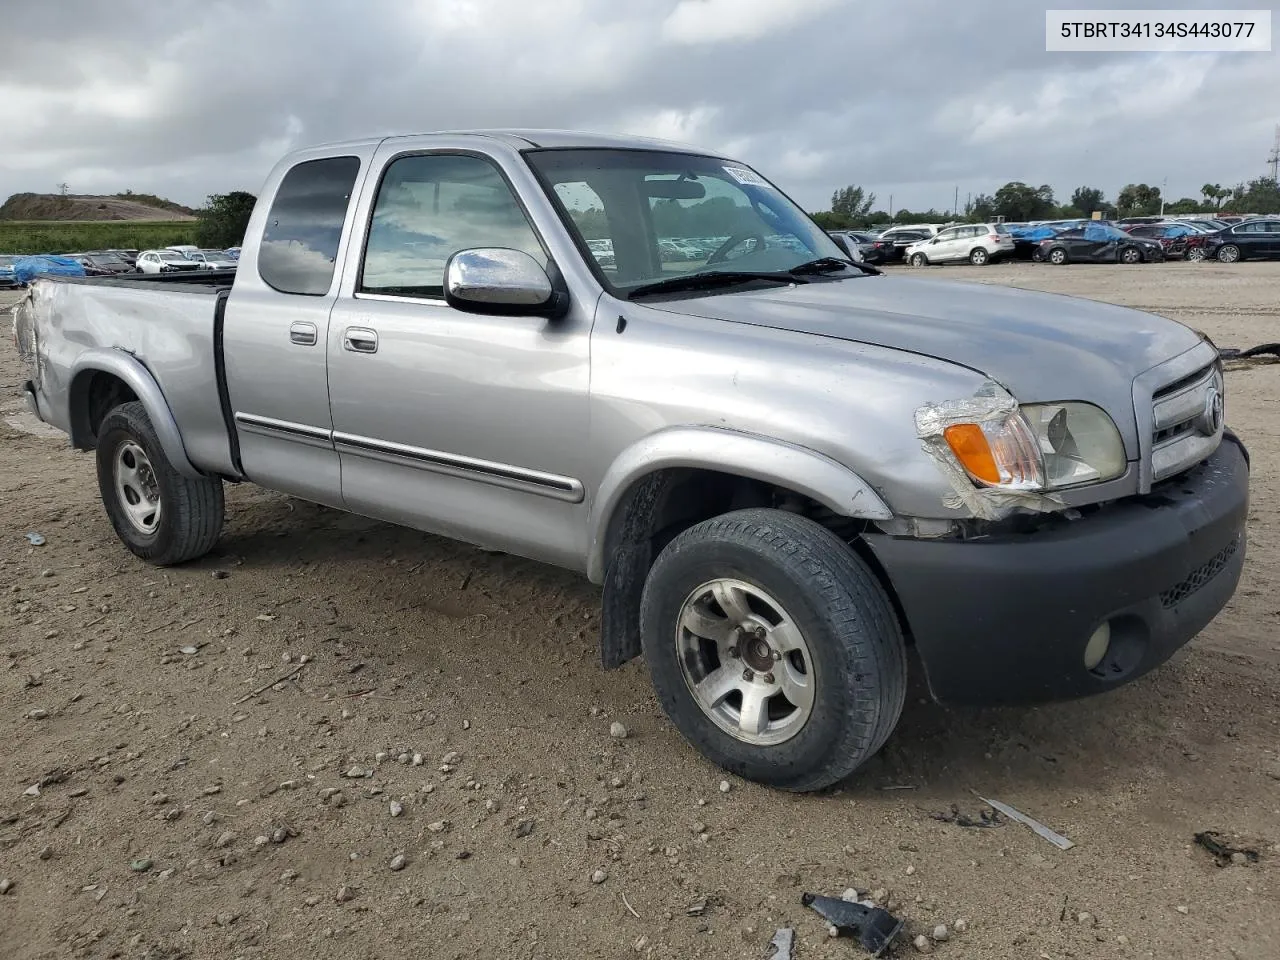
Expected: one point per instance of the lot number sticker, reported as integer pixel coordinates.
(745, 176)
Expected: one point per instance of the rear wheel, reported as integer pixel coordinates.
(919, 260)
(1057, 256)
(979, 257)
(1130, 255)
(1196, 255)
(160, 515)
(773, 648)
(1229, 253)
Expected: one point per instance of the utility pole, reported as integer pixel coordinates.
(891, 208)
(1273, 160)
(955, 207)
(62, 189)
(1164, 186)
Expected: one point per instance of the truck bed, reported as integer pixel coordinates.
(169, 323)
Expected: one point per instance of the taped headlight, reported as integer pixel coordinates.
(1045, 446)
(1078, 442)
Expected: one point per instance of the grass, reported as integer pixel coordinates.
(75, 236)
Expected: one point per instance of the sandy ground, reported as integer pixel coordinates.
(177, 816)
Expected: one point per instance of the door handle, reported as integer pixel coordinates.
(360, 340)
(302, 333)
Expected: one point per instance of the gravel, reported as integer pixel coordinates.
(600, 876)
(617, 731)
(398, 862)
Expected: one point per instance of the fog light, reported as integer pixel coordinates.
(1097, 646)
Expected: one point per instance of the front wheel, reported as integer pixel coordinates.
(773, 648)
(1229, 253)
(160, 515)
(1131, 255)
(919, 260)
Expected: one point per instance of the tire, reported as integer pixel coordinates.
(1229, 253)
(134, 474)
(1197, 255)
(851, 648)
(1057, 256)
(1130, 255)
(979, 257)
(919, 260)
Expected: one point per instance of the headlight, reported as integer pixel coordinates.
(1045, 446)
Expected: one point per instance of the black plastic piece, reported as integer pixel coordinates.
(874, 928)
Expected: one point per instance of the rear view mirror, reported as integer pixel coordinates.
(675, 189)
(502, 281)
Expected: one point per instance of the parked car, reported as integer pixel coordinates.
(8, 278)
(212, 259)
(183, 248)
(778, 465)
(128, 256)
(164, 261)
(1172, 237)
(232, 252)
(978, 243)
(867, 247)
(1248, 240)
(103, 263)
(1099, 243)
(899, 238)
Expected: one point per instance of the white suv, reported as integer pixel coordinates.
(979, 243)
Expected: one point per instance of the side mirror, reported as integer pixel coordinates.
(935, 239)
(498, 280)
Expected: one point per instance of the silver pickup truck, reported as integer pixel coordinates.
(643, 362)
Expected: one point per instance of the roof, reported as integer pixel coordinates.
(523, 139)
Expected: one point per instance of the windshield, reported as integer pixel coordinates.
(171, 257)
(667, 215)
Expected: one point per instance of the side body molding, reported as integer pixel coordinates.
(796, 468)
(131, 370)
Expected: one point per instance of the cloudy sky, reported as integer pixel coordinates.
(909, 98)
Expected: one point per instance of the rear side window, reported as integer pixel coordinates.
(1001, 228)
(300, 243)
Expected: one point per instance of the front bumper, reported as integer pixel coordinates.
(1006, 619)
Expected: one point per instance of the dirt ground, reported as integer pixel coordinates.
(177, 814)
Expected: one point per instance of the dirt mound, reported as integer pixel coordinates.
(121, 206)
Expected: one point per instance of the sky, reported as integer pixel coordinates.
(911, 99)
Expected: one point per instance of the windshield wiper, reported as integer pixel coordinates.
(825, 264)
(712, 279)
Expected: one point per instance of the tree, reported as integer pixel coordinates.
(1184, 206)
(852, 202)
(1018, 201)
(1214, 194)
(1088, 199)
(224, 219)
(983, 207)
(1139, 200)
(1257, 196)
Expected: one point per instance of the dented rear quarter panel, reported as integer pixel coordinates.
(169, 331)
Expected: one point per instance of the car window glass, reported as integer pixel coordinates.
(429, 207)
(1246, 228)
(304, 227)
(946, 235)
(587, 210)
(1271, 226)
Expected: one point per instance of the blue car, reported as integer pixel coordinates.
(8, 278)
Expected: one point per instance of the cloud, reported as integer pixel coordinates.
(716, 21)
(909, 100)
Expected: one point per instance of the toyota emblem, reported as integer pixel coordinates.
(1211, 419)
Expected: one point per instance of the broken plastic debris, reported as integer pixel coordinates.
(985, 819)
(782, 944)
(1222, 851)
(874, 928)
(35, 539)
(1057, 839)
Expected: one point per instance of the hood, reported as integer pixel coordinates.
(1042, 347)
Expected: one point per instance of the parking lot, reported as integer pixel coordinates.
(184, 806)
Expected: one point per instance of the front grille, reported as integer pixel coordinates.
(1182, 435)
(1200, 576)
